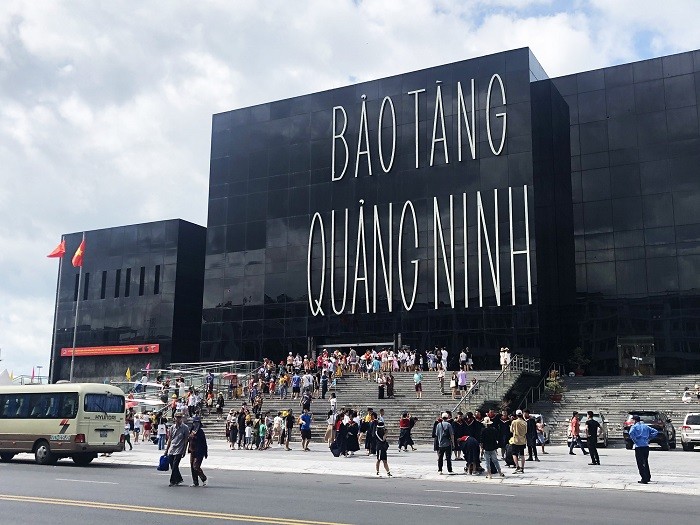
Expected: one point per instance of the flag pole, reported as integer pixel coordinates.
(55, 315)
(75, 324)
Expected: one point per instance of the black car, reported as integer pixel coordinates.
(657, 420)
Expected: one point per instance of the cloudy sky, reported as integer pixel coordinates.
(105, 107)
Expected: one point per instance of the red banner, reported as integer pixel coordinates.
(111, 350)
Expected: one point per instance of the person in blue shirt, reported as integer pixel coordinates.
(641, 434)
(305, 428)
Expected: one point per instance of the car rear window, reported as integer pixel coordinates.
(646, 418)
(693, 420)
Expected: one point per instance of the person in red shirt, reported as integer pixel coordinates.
(575, 437)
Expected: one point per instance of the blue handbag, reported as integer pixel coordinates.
(163, 464)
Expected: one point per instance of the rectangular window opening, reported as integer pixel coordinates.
(117, 283)
(127, 283)
(103, 287)
(156, 283)
(77, 284)
(86, 286)
(142, 279)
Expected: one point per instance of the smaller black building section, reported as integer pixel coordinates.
(635, 151)
(141, 284)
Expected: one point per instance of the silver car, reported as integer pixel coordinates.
(583, 429)
(690, 431)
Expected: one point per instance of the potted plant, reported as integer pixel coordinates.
(554, 387)
(578, 360)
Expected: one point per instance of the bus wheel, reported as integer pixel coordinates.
(6, 456)
(43, 454)
(82, 460)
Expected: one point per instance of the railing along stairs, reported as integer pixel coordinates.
(495, 389)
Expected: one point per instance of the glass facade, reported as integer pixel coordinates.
(635, 149)
(141, 285)
(339, 217)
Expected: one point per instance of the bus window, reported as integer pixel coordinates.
(69, 405)
(22, 406)
(4, 406)
(39, 405)
(104, 403)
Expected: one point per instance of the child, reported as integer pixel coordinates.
(249, 434)
(162, 431)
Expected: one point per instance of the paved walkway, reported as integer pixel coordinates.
(673, 472)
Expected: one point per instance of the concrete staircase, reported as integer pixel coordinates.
(358, 394)
(614, 396)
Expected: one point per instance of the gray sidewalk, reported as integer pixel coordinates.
(673, 472)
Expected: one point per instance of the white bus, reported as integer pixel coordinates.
(76, 420)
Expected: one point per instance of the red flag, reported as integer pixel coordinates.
(59, 250)
(32, 374)
(78, 257)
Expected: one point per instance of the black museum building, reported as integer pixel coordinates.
(477, 204)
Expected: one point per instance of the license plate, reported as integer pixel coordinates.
(103, 433)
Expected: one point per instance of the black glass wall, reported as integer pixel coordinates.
(635, 151)
(277, 278)
(141, 284)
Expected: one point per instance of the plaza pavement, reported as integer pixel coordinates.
(673, 472)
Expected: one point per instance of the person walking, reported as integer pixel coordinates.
(541, 439)
(288, 426)
(592, 427)
(329, 436)
(489, 448)
(518, 429)
(198, 451)
(441, 378)
(575, 432)
(305, 429)
(445, 437)
(641, 434)
(324, 384)
(176, 448)
(127, 436)
(382, 445)
(405, 424)
(418, 381)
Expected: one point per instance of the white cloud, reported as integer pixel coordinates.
(105, 109)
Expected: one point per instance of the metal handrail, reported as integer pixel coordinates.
(241, 368)
(518, 363)
(535, 392)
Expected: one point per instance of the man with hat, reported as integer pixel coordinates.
(641, 434)
(198, 451)
(176, 448)
(489, 446)
(444, 434)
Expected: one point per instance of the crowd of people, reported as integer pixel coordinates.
(480, 441)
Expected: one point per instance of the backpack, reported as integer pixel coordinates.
(445, 440)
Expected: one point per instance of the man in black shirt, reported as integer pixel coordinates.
(489, 447)
(459, 427)
(531, 436)
(289, 425)
(592, 427)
